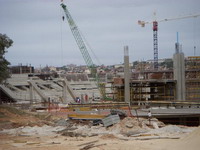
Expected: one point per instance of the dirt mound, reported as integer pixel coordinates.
(135, 125)
(126, 125)
(190, 141)
(193, 135)
(11, 117)
(36, 130)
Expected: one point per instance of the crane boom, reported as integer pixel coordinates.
(78, 38)
(143, 23)
(155, 33)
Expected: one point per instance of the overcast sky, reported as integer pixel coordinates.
(41, 37)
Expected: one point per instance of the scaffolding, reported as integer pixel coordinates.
(160, 85)
(147, 90)
(193, 78)
(193, 67)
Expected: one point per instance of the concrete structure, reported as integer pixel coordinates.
(126, 75)
(21, 69)
(179, 72)
(23, 88)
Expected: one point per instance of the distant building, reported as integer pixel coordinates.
(21, 69)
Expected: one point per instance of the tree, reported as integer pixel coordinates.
(167, 63)
(5, 43)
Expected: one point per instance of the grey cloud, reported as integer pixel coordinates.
(108, 25)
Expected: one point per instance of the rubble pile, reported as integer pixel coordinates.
(23, 123)
(39, 131)
(126, 127)
(130, 125)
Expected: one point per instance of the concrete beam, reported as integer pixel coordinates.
(39, 92)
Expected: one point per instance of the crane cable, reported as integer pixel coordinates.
(90, 48)
(61, 37)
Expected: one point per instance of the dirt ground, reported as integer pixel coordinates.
(71, 143)
(21, 131)
(63, 143)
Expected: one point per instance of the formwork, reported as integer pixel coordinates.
(193, 78)
(145, 90)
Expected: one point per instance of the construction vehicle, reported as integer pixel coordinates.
(83, 48)
(79, 41)
(155, 33)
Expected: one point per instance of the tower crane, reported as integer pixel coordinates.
(155, 32)
(79, 40)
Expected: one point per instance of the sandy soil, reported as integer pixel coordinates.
(70, 143)
(106, 142)
(22, 131)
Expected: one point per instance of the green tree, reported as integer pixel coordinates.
(5, 43)
(167, 63)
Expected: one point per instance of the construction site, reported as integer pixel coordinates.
(143, 106)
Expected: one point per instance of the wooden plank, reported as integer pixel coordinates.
(91, 146)
(86, 116)
(153, 138)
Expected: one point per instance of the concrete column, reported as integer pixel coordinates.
(31, 92)
(126, 76)
(64, 92)
(179, 73)
(20, 70)
(30, 68)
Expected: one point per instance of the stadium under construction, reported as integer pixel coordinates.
(176, 90)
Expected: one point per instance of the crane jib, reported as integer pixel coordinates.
(78, 38)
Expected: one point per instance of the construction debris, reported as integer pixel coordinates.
(61, 122)
(110, 120)
(92, 142)
(91, 146)
(127, 129)
(121, 113)
(158, 137)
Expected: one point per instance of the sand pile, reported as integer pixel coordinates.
(189, 142)
(11, 117)
(171, 130)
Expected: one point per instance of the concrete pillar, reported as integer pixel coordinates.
(31, 92)
(126, 76)
(179, 73)
(20, 70)
(30, 68)
(64, 92)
